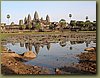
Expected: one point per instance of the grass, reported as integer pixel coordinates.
(4, 35)
(88, 31)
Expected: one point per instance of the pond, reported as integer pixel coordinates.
(52, 55)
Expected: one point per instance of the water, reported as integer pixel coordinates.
(51, 55)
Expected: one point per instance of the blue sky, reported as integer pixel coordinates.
(55, 9)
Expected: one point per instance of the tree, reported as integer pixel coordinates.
(87, 24)
(62, 23)
(8, 17)
(23, 26)
(30, 26)
(94, 23)
(38, 26)
(80, 23)
(12, 23)
(20, 24)
(86, 18)
(73, 23)
(70, 15)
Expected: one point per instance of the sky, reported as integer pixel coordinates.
(55, 9)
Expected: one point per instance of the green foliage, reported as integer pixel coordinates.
(80, 23)
(94, 23)
(12, 23)
(73, 23)
(62, 20)
(86, 17)
(8, 16)
(87, 23)
(23, 26)
(70, 15)
(20, 22)
(30, 26)
(38, 26)
(62, 23)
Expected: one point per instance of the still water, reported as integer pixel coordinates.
(52, 55)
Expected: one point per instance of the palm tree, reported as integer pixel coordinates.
(70, 15)
(8, 17)
(87, 24)
(62, 23)
(86, 18)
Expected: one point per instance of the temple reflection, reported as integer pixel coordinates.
(30, 46)
(37, 47)
(21, 44)
(26, 45)
(37, 42)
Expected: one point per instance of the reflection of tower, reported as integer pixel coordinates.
(26, 45)
(21, 44)
(30, 46)
(48, 46)
(37, 47)
(87, 43)
(42, 45)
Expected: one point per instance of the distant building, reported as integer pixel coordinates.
(3, 26)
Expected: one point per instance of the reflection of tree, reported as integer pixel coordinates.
(70, 48)
(73, 42)
(30, 46)
(48, 46)
(79, 42)
(26, 45)
(87, 43)
(63, 43)
(21, 44)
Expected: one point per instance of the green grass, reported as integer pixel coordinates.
(88, 31)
